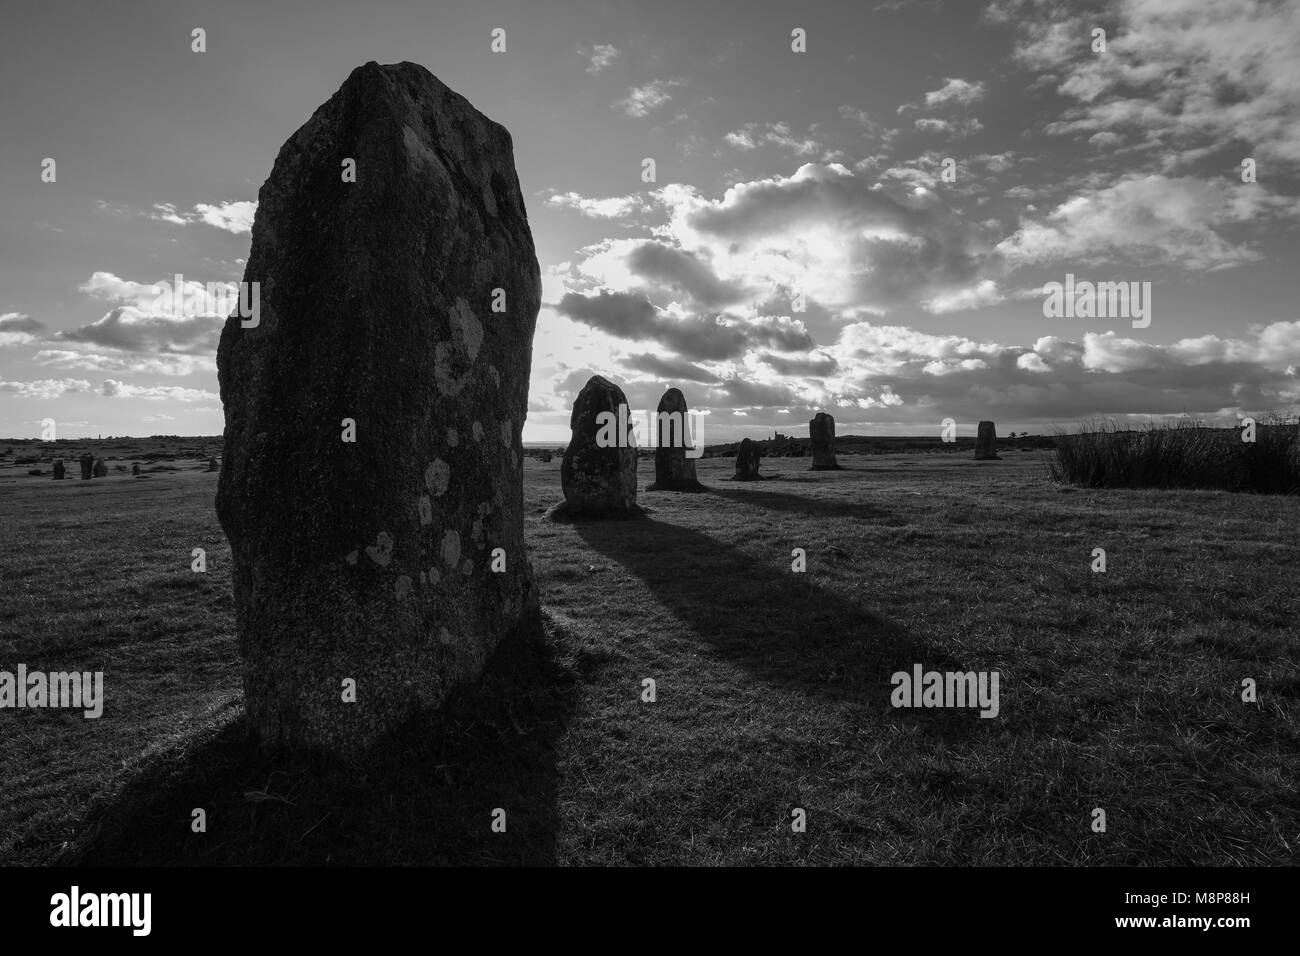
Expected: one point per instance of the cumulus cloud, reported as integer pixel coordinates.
(112, 388)
(956, 95)
(1187, 76)
(612, 207)
(955, 128)
(46, 388)
(235, 216)
(18, 328)
(165, 364)
(1148, 219)
(955, 91)
(828, 230)
(752, 135)
(643, 100)
(602, 55)
(154, 317)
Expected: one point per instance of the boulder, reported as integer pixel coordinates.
(101, 468)
(674, 470)
(212, 465)
(372, 482)
(598, 473)
(821, 430)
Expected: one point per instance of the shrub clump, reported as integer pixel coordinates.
(1185, 454)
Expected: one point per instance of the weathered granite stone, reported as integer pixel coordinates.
(821, 430)
(674, 471)
(376, 560)
(598, 473)
(101, 468)
(546, 457)
(59, 471)
(747, 459)
(986, 443)
(87, 463)
(212, 465)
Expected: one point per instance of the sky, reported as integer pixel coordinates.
(855, 208)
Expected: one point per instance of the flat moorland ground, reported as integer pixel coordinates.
(1118, 690)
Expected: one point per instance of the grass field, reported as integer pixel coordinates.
(1119, 690)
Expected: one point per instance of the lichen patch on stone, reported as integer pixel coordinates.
(468, 329)
(451, 548)
(381, 552)
(437, 476)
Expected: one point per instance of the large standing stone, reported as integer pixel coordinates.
(101, 468)
(821, 430)
(674, 471)
(986, 443)
(394, 560)
(747, 459)
(598, 473)
(59, 471)
(87, 463)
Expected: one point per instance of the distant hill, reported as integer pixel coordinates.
(786, 446)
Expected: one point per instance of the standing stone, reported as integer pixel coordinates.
(87, 463)
(747, 458)
(674, 471)
(986, 443)
(396, 559)
(135, 470)
(212, 465)
(821, 430)
(59, 471)
(101, 468)
(546, 457)
(598, 473)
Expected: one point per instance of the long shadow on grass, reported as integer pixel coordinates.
(425, 797)
(801, 504)
(776, 624)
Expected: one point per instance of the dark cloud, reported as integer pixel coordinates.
(670, 369)
(813, 365)
(742, 393)
(683, 271)
(17, 322)
(629, 315)
(131, 330)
